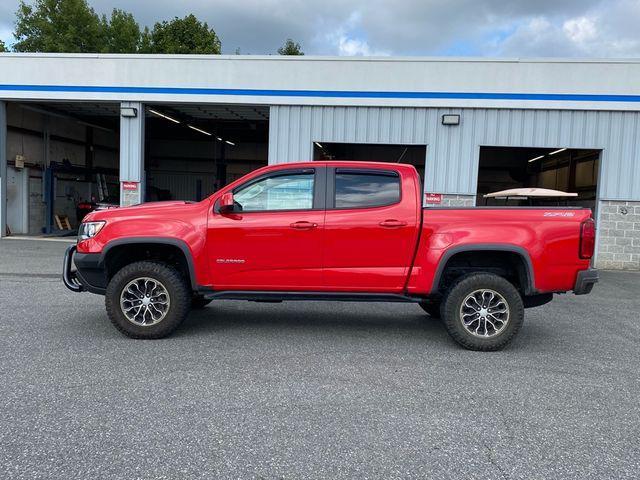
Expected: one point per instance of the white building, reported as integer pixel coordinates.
(179, 126)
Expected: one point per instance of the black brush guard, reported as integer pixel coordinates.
(69, 276)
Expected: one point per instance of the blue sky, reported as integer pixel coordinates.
(517, 28)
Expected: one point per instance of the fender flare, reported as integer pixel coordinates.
(483, 247)
(174, 242)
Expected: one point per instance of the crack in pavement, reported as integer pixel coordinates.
(493, 461)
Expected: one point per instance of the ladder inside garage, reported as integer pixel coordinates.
(103, 193)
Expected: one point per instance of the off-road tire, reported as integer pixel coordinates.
(177, 290)
(432, 309)
(464, 286)
(198, 303)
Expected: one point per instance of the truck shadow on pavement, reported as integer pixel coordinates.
(291, 317)
(377, 322)
(301, 322)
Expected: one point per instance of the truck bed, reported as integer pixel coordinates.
(548, 238)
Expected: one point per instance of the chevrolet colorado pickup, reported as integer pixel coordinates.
(351, 231)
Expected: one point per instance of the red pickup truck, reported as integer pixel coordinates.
(350, 231)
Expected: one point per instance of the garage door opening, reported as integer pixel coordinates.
(193, 150)
(566, 169)
(62, 160)
(410, 154)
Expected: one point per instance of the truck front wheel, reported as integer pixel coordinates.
(482, 311)
(147, 300)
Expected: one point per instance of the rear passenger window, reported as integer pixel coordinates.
(366, 189)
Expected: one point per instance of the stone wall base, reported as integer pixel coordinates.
(619, 235)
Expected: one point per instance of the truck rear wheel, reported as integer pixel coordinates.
(482, 311)
(147, 300)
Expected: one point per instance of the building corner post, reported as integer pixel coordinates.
(132, 139)
(3, 169)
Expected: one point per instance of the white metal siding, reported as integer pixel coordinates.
(453, 151)
(132, 153)
(132, 144)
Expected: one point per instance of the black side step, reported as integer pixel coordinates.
(268, 296)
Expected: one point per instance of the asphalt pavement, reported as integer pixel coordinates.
(311, 389)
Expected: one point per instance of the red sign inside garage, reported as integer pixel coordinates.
(433, 198)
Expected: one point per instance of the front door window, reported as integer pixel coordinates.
(280, 192)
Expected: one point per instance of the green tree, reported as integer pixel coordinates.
(290, 48)
(58, 26)
(145, 41)
(180, 35)
(121, 33)
(3, 47)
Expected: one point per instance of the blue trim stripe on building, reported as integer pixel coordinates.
(565, 97)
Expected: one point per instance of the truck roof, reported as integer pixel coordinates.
(345, 163)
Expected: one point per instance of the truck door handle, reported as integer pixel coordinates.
(392, 224)
(303, 225)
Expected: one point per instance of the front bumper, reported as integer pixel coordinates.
(89, 275)
(585, 281)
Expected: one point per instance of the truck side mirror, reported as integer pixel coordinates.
(226, 203)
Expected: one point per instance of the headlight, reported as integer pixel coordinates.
(89, 230)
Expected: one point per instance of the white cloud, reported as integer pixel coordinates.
(353, 46)
(6, 35)
(347, 38)
(580, 30)
(607, 30)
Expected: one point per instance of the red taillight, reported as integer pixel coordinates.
(587, 238)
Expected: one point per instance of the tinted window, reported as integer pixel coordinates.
(280, 192)
(356, 190)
